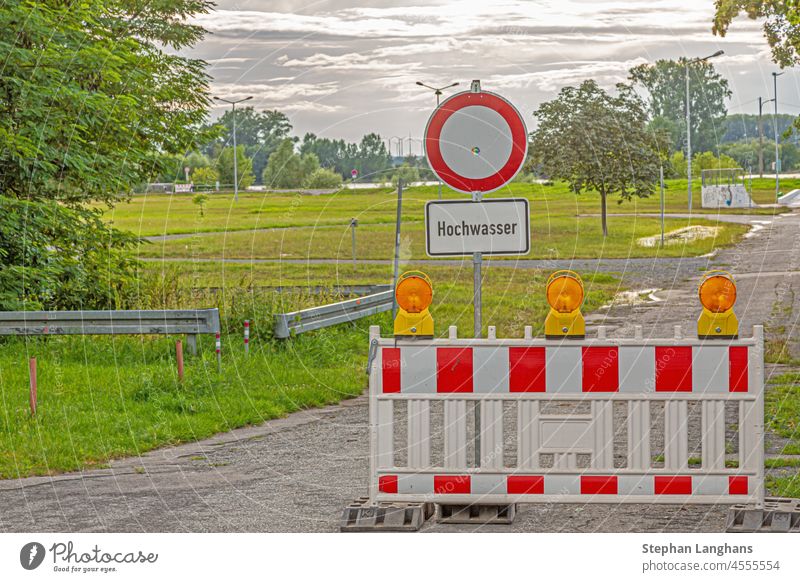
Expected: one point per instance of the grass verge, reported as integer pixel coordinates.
(102, 398)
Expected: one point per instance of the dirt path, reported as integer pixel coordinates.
(296, 474)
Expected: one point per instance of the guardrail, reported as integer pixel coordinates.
(140, 322)
(288, 324)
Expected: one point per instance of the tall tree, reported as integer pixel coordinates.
(244, 167)
(373, 158)
(781, 25)
(93, 94)
(260, 132)
(597, 142)
(665, 84)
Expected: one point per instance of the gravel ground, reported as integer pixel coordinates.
(297, 473)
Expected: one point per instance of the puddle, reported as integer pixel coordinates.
(635, 297)
(683, 235)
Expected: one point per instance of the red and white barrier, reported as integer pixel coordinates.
(553, 402)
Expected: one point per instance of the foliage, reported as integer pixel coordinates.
(200, 200)
(334, 154)
(665, 83)
(284, 168)
(260, 132)
(244, 167)
(700, 161)
(370, 157)
(205, 176)
(373, 159)
(94, 100)
(88, 96)
(407, 173)
(55, 257)
(323, 178)
(743, 126)
(596, 142)
(781, 25)
(287, 169)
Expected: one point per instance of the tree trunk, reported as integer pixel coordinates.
(603, 213)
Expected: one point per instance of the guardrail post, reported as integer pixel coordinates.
(33, 385)
(191, 342)
(179, 358)
(218, 346)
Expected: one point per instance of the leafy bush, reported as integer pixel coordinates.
(323, 178)
(53, 257)
(206, 175)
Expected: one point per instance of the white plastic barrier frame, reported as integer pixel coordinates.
(532, 372)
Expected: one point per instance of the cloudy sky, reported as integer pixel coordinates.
(341, 68)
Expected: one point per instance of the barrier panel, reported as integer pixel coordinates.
(570, 421)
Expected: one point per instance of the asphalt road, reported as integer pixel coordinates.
(297, 473)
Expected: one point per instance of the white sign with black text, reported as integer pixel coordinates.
(498, 226)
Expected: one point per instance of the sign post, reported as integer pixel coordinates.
(476, 142)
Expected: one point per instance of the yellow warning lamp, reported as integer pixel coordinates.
(414, 293)
(565, 296)
(717, 294)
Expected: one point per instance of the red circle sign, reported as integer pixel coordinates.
(476, 142)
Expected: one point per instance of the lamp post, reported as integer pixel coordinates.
(689, 122)
(438, 93)
(775, 128)
(235, 161)
(761, 104)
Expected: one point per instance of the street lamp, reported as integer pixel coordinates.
(438, 93)
(689, 121)
(761, 104)
(235, 161)
(775, 128)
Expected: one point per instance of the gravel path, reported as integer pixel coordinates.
(297, 473)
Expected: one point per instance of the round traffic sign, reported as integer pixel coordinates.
(476, 142)
(354, 173)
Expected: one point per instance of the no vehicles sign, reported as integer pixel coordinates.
(492, 227)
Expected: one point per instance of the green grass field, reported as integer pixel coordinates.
(159, 214)
(552, 237)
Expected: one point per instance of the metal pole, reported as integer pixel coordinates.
(235, 164)
(397, 245)
(775, 126)
(661, 181)
(688, 138)
(477, 260)
(353, 224)
(760, 141)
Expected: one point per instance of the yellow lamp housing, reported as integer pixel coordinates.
(717, 294)
(565, 295)
(414, 293)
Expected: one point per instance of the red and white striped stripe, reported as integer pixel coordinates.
(562, 484)
(565, 369)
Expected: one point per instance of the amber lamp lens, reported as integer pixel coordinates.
(718, 294)
(565, 294)
(414, 294)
